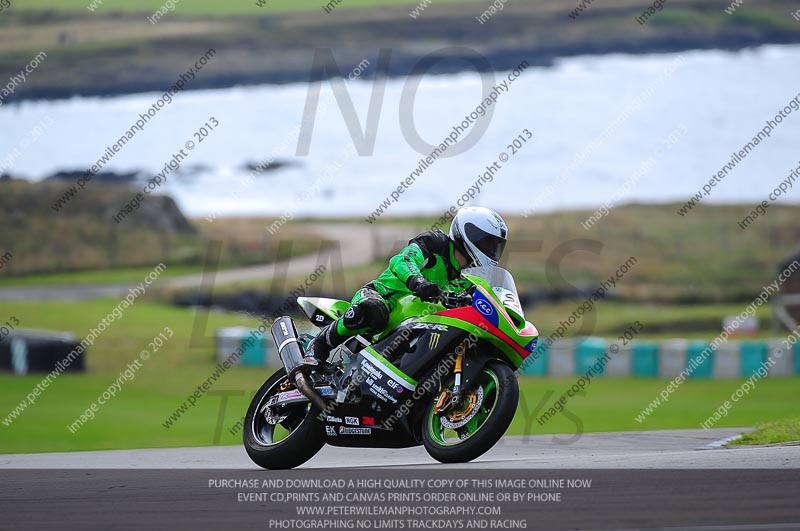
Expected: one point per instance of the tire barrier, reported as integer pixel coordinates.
(667, 359)
(35, 351)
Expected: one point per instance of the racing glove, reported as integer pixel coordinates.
(423, 288)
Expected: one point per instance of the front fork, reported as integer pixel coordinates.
(451, 397)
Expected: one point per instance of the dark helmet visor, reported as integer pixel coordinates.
(489, 244)
(492, 246)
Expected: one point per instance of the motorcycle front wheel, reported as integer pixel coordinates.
(461, 434)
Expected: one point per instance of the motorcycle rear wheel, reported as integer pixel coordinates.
(287, 444)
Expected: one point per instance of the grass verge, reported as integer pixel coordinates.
(96, 276)
(135, 417)
(779, 431)
(207, 7)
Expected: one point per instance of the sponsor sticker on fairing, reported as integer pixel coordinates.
(430, 326)
(394, 385)
(354, 431)
(484, 307)
(290, 395)
(382, 393)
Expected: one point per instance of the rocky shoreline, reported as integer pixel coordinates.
(501, 60)
(297, 47)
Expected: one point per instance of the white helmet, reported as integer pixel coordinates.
(481, 233)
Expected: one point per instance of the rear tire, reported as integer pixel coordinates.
(302, 443)
(490, 431)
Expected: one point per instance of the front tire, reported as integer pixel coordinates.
(500, 391)
(261, 439)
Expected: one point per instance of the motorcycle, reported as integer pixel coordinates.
(441, 375)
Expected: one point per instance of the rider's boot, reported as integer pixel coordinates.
(321, 346)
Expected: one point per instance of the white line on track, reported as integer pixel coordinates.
(722, 442)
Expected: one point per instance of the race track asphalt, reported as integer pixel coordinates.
(669, 449)
(673, 480)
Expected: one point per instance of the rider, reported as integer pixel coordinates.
(432, 261)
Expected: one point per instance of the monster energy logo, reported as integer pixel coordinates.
(434, 341)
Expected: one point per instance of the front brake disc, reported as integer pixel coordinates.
(459, 419)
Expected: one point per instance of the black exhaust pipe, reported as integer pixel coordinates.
(285, 335)
(309, 391)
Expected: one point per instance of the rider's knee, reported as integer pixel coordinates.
(370, 314)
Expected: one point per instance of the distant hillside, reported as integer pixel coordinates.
(116, 50)
(83, 236)
(703, 257)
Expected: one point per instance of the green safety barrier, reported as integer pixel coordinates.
(644, 359)
(254, 354)
(588, 352)
(797, 358)
(705, 369)
(540, 366)
(751, 357)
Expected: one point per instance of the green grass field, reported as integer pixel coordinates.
(208, 7)
(134, 419)
(101, 276)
